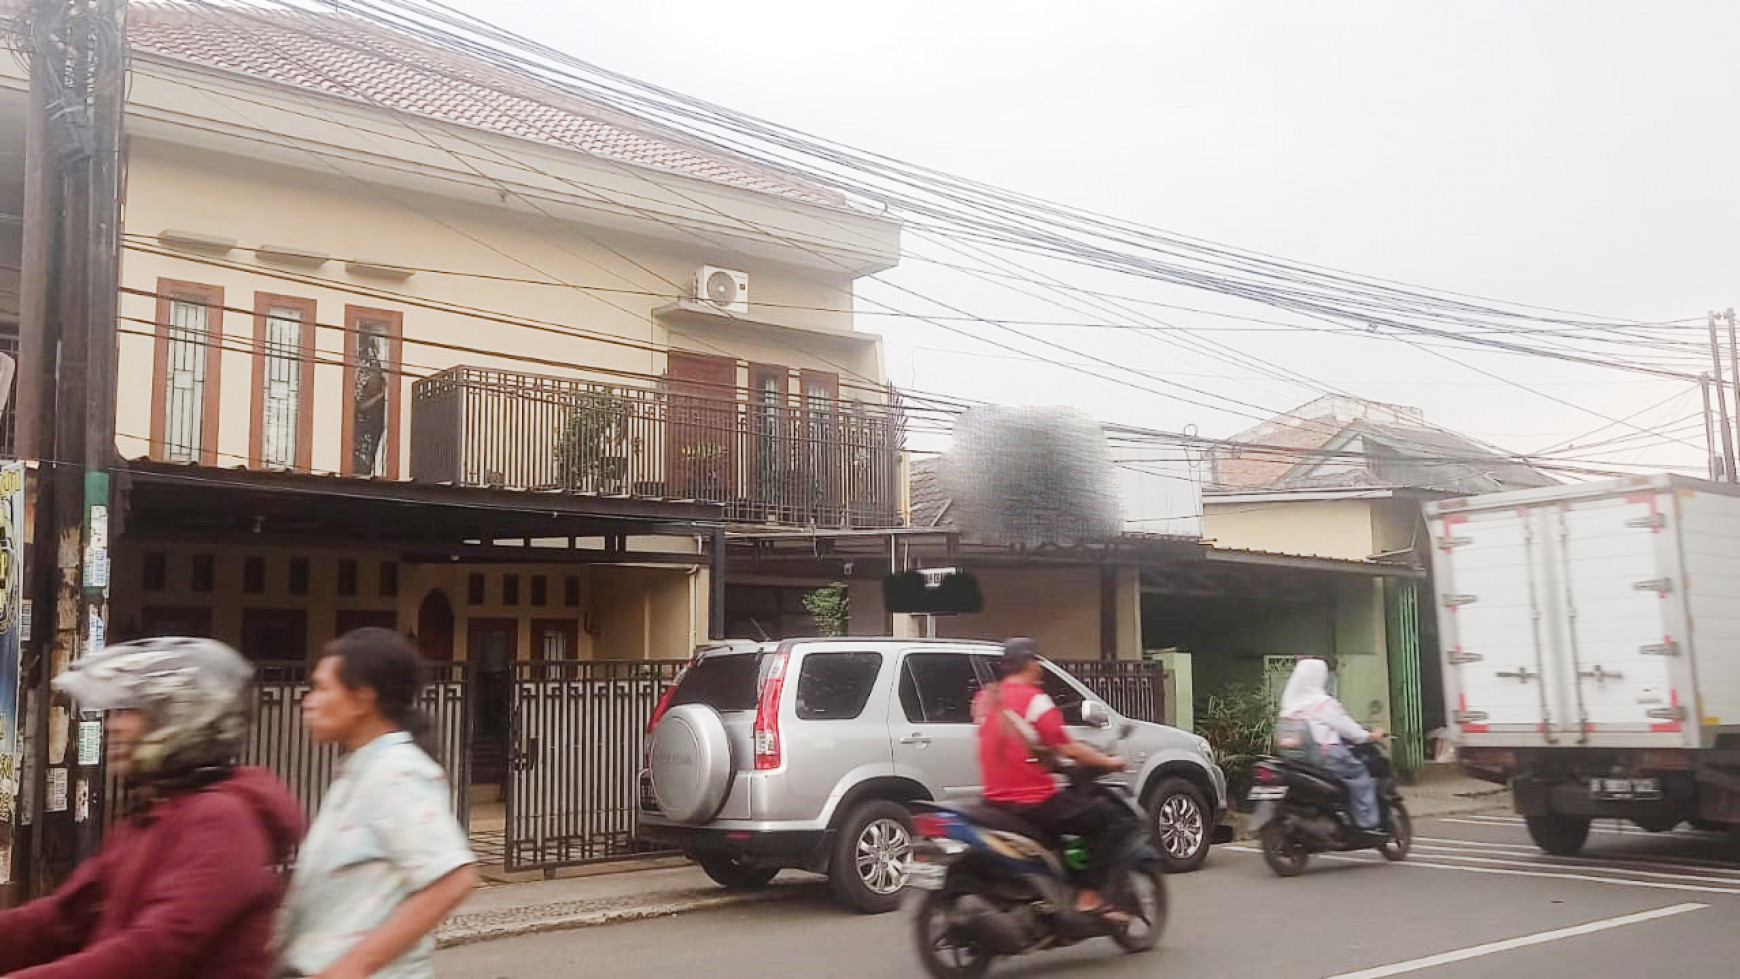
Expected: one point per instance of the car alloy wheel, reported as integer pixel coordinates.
(883, 849)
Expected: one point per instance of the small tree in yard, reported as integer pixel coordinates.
(828, 606)
(1240, 723)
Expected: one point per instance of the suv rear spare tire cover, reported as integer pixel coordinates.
(691, 764)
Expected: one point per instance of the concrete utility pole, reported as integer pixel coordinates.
(1722, 401)
(1710, 456)
(78, 65)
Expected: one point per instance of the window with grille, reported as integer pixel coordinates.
(184, 401)
(282, 397)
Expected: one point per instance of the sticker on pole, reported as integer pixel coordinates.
(57, 785)
(90, 742)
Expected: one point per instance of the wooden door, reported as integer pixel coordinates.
(435, 627)
(275, 634)
(702, 435)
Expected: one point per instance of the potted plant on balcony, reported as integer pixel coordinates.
(590, 450)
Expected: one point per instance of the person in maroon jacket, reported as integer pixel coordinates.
(188, 885)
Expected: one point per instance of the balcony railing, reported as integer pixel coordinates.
(780, 460)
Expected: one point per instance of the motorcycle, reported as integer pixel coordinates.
(994, 886)
(1301, 809)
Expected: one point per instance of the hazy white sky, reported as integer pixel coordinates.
(1574, 153)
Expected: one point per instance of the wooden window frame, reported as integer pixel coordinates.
(170, 291)
(833, 386)
(263, 303)
(353, 321)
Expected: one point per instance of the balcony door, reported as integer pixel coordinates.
(702, 462)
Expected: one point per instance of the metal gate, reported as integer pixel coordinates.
(278, 741)
(576, 736)
(1402, 603)
(1134, 688)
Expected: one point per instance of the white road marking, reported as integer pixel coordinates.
(1493, 948)
(1615, 881)
(1598, 827)
(1616, 861)
(1451, 853)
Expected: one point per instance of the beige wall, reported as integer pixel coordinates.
(1325, 528)
(1058, 606)
(256, 203)
(623, 613)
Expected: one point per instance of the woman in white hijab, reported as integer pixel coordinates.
(1307, 699)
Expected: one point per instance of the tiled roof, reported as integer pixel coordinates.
(1391, 452)
(930, 506)
(349, 58)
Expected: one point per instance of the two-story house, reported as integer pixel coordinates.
(412, 340)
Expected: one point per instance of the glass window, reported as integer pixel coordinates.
(184, 425)
(725, 683)
(1064, 694)
(938, 688)
(282, 397)
(371, 401)
(836, 686)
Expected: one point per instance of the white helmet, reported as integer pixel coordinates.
(190, 690)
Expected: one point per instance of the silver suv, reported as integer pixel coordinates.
(803, 754)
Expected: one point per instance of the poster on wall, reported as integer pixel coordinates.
(11, 615)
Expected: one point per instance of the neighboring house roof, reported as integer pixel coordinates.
(1346, 443)
(930, 507)
(352, 59)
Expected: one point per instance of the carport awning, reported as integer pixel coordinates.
(183, 501)
(1258, 574)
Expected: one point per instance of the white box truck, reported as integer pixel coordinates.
(1591, 643)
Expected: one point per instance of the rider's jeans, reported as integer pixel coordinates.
(1360, 787)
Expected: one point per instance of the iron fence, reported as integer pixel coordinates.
(1134, 688)
(578, 730)
(278, 739)
(780, 458)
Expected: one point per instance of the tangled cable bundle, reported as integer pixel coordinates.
(1031, 476)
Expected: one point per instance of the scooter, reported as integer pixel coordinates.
(994, 886)
(1301, 809)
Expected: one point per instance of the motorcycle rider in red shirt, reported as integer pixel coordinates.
(1018, 723)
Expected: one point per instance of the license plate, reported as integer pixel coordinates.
(1261, 793)
(1625, 788)
(926, 876)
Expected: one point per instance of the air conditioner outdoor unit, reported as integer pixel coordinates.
(723, 289)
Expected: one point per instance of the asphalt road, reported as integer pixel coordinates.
(1474, 900)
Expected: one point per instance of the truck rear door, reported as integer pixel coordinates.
(1500, 672)
(1617, 608)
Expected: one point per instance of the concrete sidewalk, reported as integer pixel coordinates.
(657, 888)
(651, 889)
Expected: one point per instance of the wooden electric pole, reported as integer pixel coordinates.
(78, 61)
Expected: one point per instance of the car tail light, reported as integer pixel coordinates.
(664, 705)
(768, 749)
(930, 825)
(1267, 775)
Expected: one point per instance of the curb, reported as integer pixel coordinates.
(472, 929)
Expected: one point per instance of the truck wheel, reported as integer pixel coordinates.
(868, 869)
(1558, 834)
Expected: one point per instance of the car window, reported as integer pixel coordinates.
(938, 688)
(1064, 694)
(836, 686)
(724, 683)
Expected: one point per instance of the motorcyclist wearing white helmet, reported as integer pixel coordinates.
(187, 885)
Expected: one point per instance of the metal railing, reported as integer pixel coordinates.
(578, 731)
(778, 459)
(1134, 688)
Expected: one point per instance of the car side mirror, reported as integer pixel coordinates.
(1095, 714)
